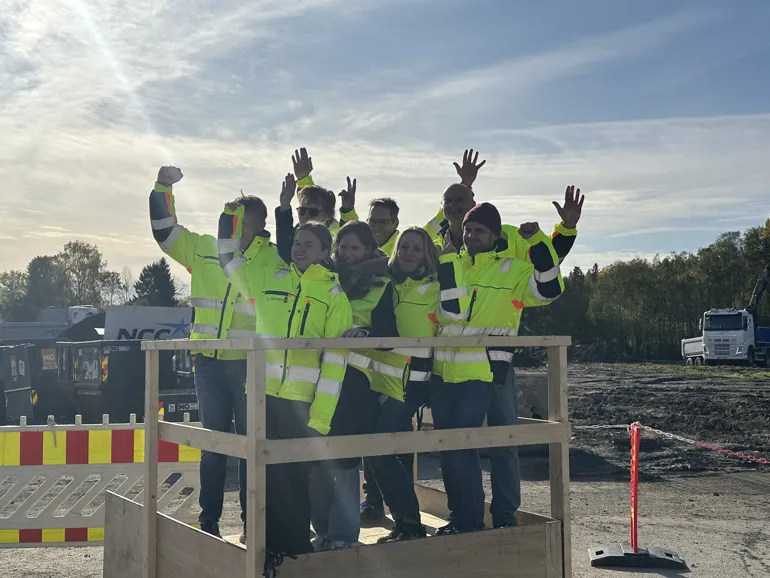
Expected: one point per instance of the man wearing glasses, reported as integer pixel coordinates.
(315, 203)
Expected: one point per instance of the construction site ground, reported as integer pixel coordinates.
(711, 509)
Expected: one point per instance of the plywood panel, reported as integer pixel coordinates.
(433, 501)
(185, 552)
(122, 537)
(478, 554)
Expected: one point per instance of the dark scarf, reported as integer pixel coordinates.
(355, 284)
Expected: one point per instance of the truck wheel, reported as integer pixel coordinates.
(750, 357)
(699, 361)
(688, 361)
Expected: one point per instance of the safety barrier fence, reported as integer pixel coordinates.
(166, 549)
(633, 555)
(53, 479)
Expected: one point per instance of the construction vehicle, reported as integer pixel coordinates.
(730, 335)
(95, 367)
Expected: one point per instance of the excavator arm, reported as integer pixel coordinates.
(759, 289)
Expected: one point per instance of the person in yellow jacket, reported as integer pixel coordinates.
(483, 291)
(402, 381)
(221, 311)
(383, 217)
(335, 483)
(302, 299)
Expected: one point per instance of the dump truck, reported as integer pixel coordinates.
(732, 335)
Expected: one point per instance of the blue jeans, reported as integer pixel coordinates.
(504, 461)
(334, 502)
(461, 405)
(219, 386)
(393, 478)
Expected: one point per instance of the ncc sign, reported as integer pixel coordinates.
(147, 323)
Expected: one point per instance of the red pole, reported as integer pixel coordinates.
(635, 434)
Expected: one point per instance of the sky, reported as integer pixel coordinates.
(659, 111)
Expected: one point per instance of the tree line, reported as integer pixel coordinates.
(79, 275)
(636, 309)
(641, 309)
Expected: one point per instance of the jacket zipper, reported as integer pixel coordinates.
(222, 317)
(470, 307)
(284, 294)
(304, 318)
(288, 333)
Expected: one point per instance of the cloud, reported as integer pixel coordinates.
(94, 96)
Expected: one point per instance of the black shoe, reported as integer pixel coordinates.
(393, 535)
(211, 528)
(447, 530)
(370, 513)
(410, 531)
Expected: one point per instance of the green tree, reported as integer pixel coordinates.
(13, 297)
(155, 286)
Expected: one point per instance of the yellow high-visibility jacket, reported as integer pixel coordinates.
(415, 302)
(221, 311)
(291, 303)
(485, 295)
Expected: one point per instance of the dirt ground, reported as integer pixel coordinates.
(710, 509)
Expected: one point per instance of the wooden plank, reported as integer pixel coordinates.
(213, 441)
(256, 376)
(123, 538)
(553, 550)
(433, 502)
(185, 552)
(356, 343)
(286, 451)
(150, 519)
(558, 461)
(476, 554)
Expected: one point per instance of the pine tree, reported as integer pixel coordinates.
(155, 286)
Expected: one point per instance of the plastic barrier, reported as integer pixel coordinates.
(53, 479)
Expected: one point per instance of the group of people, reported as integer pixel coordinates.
(464, 273)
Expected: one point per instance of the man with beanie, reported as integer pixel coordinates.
(483, 290)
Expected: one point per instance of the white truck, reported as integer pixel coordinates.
(731, 335)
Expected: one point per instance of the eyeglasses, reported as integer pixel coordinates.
(379, 222)
(309, 211)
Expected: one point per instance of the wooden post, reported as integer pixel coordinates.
(558, 460)
(150, 512)
(256, 382)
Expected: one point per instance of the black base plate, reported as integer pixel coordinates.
(623, 556)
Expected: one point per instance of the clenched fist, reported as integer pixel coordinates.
(526, 230)
(169, 175)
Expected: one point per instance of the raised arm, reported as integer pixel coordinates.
(284, 220)
(539, 283)
(173, 239)
(565, 232)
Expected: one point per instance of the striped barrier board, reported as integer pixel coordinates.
(53, 478)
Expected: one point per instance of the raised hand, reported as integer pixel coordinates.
(303, 164)
(573, 207)
(526, 230)
(470, 168)
(348, 197)
(169, 175)
(287, 191)
(449, 247)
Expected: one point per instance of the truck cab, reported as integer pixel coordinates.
(730, 335)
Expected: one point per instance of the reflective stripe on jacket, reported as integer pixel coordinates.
(485, 295)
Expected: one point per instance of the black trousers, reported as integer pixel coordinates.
(288, 485)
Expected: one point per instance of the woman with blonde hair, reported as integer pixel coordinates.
(403, 374)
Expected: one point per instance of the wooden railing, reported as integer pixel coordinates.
(261, 452)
